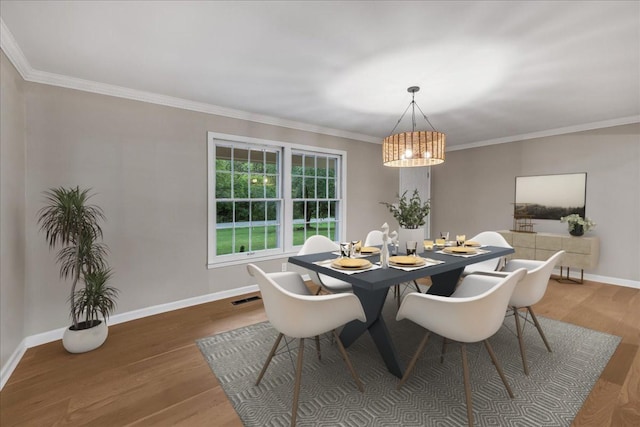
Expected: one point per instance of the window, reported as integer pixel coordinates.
(314, 196)
(266, 198)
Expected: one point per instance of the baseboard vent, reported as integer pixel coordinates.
(245, 300)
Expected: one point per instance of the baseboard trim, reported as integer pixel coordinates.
(56, 334)
(613, 281)
(12, 363)
(176, 305)
(603, 279)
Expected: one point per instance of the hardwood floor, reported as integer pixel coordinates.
(150, 372)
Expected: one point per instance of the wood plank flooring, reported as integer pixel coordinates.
(150, 372)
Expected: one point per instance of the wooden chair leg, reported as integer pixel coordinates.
(467, 384)
(271, 353)
(444, 348)
(318, 347)
(535, 320)
(296, 387)
(494, 359)
(413, 361)
(519, 332)
(345, 356)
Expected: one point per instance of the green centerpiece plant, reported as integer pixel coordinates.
(410, 213)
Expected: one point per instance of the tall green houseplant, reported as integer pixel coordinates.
(72, 224)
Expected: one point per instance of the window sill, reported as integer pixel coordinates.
(222, 264)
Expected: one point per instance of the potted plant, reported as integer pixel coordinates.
(578, 225)
(410, 214)
(72, 224)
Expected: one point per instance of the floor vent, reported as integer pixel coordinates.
(245, 300)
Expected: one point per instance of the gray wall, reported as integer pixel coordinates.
(474, 189)
(147, 165)
(12, 210)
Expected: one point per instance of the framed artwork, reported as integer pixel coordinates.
(550, 196)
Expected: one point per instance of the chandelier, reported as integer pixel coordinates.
(415, 148)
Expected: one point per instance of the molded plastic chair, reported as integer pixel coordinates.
(295, 313)
(374, 238)
(489, 238)
(473, 313)
(529, 291)
(314, 245)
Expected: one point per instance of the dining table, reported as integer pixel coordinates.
(372, 285)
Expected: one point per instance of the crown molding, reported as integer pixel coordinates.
(185, 104)
(11, 48)
(28, 73)
(550, 132)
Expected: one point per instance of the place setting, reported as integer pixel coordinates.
(411, 261)
(462, 247)
(354, 249)
(351, 264)
(352, 258)
(369, 250)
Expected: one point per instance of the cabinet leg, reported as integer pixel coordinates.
(568, 278)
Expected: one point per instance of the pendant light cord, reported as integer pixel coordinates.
(413, 106)
(400, 119)
(426, 118)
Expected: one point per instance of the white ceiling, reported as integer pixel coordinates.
(489, 71)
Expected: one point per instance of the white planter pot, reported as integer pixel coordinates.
(86, 339)
(406, 234)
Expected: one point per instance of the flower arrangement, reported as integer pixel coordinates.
(578, 224)
(409, 213)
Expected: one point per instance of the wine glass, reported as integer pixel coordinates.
(412, 247)
(356, 245)
(345, 250)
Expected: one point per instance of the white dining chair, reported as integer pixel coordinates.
(374, 238)
(316, 244)
(487, 238)
(294, 313)
(473, 313)
(528, 292)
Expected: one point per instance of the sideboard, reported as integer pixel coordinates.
(580, 252)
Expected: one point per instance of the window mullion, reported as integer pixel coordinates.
(287, 203)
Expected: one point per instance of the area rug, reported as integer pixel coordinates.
(552, 394)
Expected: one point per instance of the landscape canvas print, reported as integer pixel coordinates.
(550, 196)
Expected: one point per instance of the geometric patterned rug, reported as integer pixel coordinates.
(552, 394)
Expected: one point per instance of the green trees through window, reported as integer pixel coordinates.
(247, 199)
(313, 193)
(250, 198)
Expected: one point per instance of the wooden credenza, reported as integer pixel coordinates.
(580, 252)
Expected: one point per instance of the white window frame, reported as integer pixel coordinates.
(286, 236)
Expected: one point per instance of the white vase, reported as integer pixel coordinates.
(407, 234)
(85, 340)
